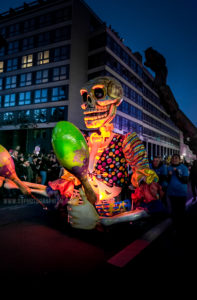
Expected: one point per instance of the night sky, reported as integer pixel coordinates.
(169, 26)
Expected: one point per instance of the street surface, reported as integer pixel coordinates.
(39, 249)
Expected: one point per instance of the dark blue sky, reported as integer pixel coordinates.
(169, 26)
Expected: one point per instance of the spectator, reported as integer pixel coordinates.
(14, 156)
(55, 168)
(30, 175)
(161, 169)
(193, 179)
(178, 176)
(35, 168)
(22, 172)
(43, 169)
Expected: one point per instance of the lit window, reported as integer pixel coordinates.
(40, 96)
(9, 100)
(27, 61)
(10, 82)
(43, 57)
(25, 79)
(0, 101)
(1, 66)
(24, 98)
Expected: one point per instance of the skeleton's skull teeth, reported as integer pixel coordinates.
(95, 111)
(95, 116)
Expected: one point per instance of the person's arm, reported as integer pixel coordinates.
(183, 178)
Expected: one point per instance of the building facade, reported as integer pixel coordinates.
(53, 48)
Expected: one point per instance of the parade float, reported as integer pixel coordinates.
(99, 161)
(96, 165)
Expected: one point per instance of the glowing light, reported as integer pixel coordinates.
(98, 86)
(101, 196)
(82, 92)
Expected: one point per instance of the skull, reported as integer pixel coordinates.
(101, 96)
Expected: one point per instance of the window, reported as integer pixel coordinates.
(1, 66)
(62, 53)
(12, 64)
(60, 93)
(41, 96)
(40, 115)
(118, 122)
(2, 51)
(3, 32)
(8, 118)
(13, 47)
(42, 76)
(61, 34)
(28, 43)
(125, 124)
(44, 20)
(43, 57)
(29, 25)
(63, 14)
(14, 30)
(0, 101)
(26, 79)
(58, 113)
(9, 100)
(23, 116)
(27, 61)
(1, 84)
(125, 107)
(10, 82)
(61, 73)
(43, 39)
(24, 98)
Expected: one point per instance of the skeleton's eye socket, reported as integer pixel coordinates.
(98, 93)
(85, 96)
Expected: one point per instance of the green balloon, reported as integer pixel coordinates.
(70, 148)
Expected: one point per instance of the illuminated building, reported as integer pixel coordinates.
(53, 48)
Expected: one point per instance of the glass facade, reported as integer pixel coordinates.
(31, 74)
(138, 89)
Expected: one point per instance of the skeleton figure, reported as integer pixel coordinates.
(110, 153)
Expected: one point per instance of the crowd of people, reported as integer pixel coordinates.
(36, 167)
(174, 176)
